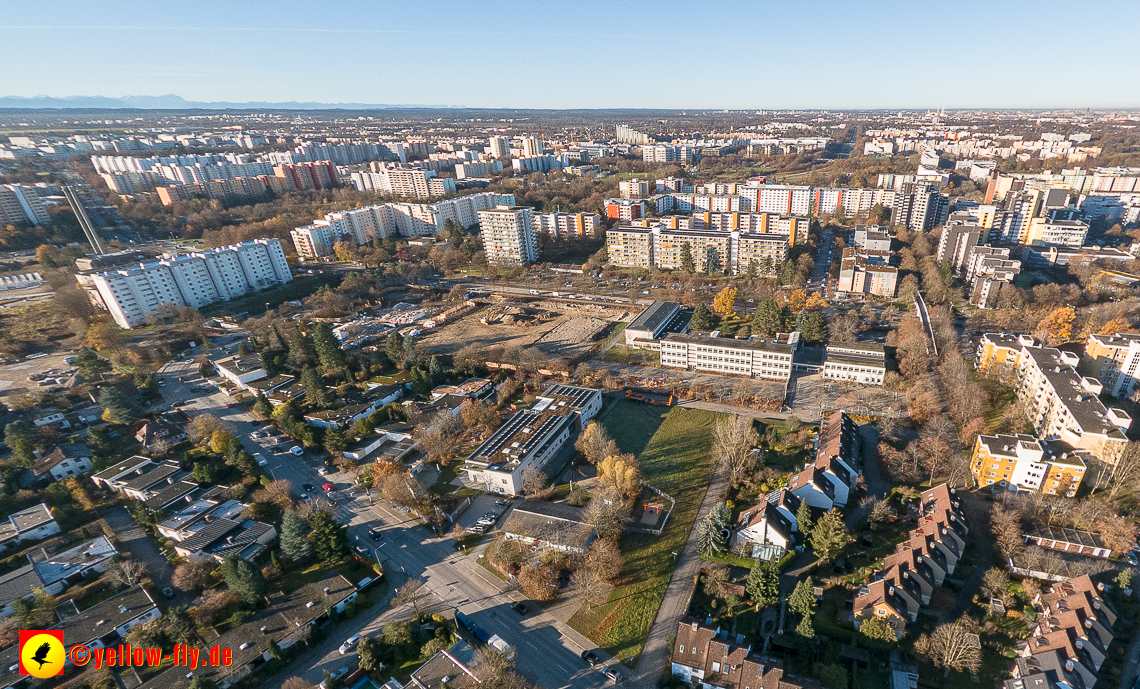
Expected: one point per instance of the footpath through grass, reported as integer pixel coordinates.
(672, 446)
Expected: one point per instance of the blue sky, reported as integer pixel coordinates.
(617, 53)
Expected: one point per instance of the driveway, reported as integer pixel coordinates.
(132, 539)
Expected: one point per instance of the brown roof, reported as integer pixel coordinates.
(737, 668)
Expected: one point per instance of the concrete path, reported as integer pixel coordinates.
(133, 540)
(655, 656)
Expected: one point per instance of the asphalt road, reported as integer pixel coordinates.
(548, 650)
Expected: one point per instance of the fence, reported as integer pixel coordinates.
(661, 527)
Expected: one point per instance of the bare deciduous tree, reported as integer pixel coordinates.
(411, 593)
(734, 438)
(592, 589)
(607, 513)
(1006, 527)
(533, 481)
(951, 646)
(127, 572)
(192, 575)
(604, 559)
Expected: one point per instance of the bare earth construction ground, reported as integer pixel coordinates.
(563, 330)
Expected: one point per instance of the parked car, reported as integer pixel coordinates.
(519, 607)
(305, 497)
(168, 593)
(297, 450)
(341, 672)
(613, 675)
(329, 488)
(349, 643)
(307, 487)
(465, 621)
(258, 434)
(503, 503)
(323, 471)
(376, 533)
(590, 658)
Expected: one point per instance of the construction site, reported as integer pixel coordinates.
(560, 328)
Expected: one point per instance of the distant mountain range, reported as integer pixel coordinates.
(175, 102)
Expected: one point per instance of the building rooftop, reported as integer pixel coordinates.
(1074, 536)
(865, 360)
(59, 454)
(175, 491)
(1084, 406)
(57, 567)
(135, 462)
(732, 343)
(522, 434)
(449, 669)
(654, 316)
(170, 471)
(26, 520)
(240, 364)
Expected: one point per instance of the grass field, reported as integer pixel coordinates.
(673, 448)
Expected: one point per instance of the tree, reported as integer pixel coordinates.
(539, 582)
(803, 518)
(411, 593)
(844, 328)
(767, 320)
(1006, 528)
(797, 300)
(994, 583)
(1058, 325)
(604, 559)
(421, 384)
(710, 538)
(315, 391)
(243, 579)
(203, 427)
(734, 439)
(370, 654)
(716, 580)
(19, 437)
(221, 442)
(91, 365)
(752, 272)
(607, 513)
(595, 443)
(298, 683)
(763, 585)
(878, 629)
(591, 589)
(829, 535)
(328, 538)
(815, 328)
(394, 348)
(335, 440)
(724, 301)
(294, 536)
(103, 336)
(533, 481)
(193, 575)
(833, 676)
(621, 473)
(127, 573)
(436, 370)
(786, 273)
(951, 646)
(1115, 326)
(687, 258)
(328, 348)
(117, 407)
(703, 319)
(802, 601)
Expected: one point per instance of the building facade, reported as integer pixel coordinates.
(189, 280)
(751, 358)
(509, 237)
(1022, 462)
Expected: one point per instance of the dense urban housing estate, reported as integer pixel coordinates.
(194, 280)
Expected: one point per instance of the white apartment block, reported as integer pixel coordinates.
(567, 224)
(1062, 405)
(500, 146)
(856, 362)
(753, 358)
(662, 247)
(194, 280)
(358, 226)
(664, 153)
(778, 198)
(509, 237)
(407, 182)
(20, 203)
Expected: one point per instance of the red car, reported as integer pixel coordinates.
(329, 488)
(230, 405)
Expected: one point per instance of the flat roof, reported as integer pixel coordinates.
(654, 316)
(732, 343)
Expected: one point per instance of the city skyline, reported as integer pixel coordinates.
(730, 56)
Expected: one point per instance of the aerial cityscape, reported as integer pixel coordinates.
(327, 375)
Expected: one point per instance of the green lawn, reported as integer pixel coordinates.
(673, 448)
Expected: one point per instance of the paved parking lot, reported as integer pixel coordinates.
(14, 376)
